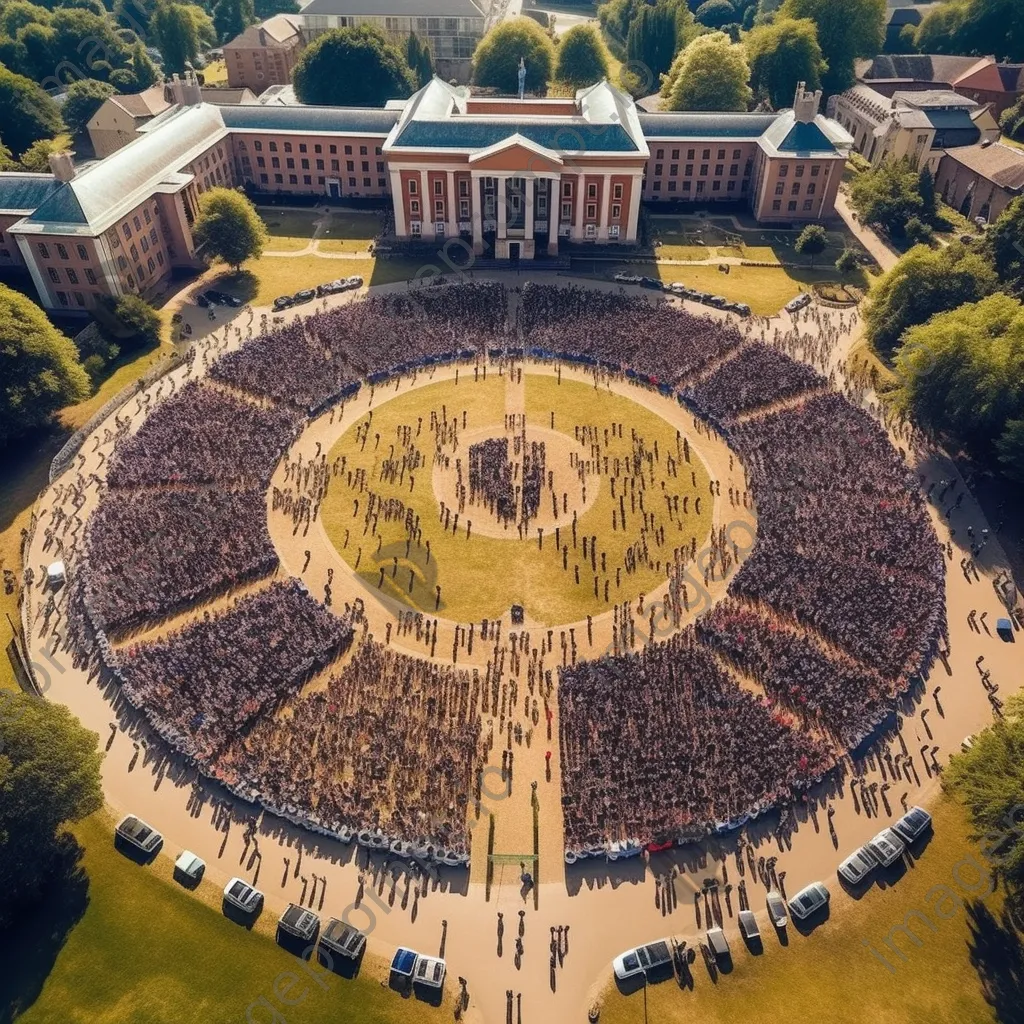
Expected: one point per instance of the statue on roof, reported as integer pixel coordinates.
(522, 77)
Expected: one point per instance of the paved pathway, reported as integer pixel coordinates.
(883, 253)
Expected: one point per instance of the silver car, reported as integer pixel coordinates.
(887, 847)
(858, 866)
(240, 894)
(808, 901)
(913, 824)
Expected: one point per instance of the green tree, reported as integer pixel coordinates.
(37, 46)
(715, 13)
(974, 27)
(375, 69)
(228, 227)
(711, 73)
(140, 319)
(782, 54)
(37, 156)
(181, 31)
(961, 374)
(1011, 121)
(39, 368)
(496, 59)
(846, 263)
(653, 38)
(582, 57)
(232, 17)
(419, 59)
(847, 30)
(268, 8)
(1010, 449)
(918, 231)
(1004, 246)
(812, 241)
(17, 15)
(49, 778)
(26, 112)
(84, 98)
(923, 283)
(926, 190)
(888, 195)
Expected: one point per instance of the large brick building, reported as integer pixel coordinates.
(264, 55)
(514, 178)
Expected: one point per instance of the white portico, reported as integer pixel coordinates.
(512, 177)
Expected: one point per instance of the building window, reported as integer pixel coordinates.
(160, 257)
(62, 251)
(719, 170)
(412, 186)
(673, 170)
(414, 204)
(690, 154)
(705, 154)
(293, 179)
(716, 186)
(656, 186)
(261, 162)
(700, 187)
(273, 147)
(463, 187)
(305, 164)
(617, 192)
(151, 265)
(43, 251)
(815, 170)
(567, 188)
(795, 189)
(613, 231)
(62, 298)
(776, 204)
(264, 179)
(675, 154)
(808, 204)
(90, 277)
(351, 182)
(350, 165)
(335, 166)
(658, 168)
(83, 253)
(258, 146)
(146, 216)
(779, 188)
(290, 163)
(382, 183)
(366, 183)
(791, 206)
(415, 228)
(275, 161)
(783, 170)
(54, 276)
(734, 170)
(439, 209)
(348, 151)
(122, 263)
(686, 186)
(464, 209)
(72, 276)
(137, 223)
(590, 231)
(80, 298)
(278, 179)
(307, 179)
(566, 211)
(688, 170)
(438, 187)
(592, 191)
(591, 211)
(799, 170)
(671, 186)
(721, 154)
(660, 155)
(366, 165)
(616, 211)
(302, 148)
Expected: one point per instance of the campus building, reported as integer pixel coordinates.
(264, 55)
(513, 178)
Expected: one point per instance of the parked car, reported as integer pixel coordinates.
(718, 300)
(189, 867)
(306, 295)
(642, 960)
(299, 921)
(137, 833)
(795, 305)
(651, 282)
(718, 943)
(624, 278)
(403, 963)
(240, 894)
(202, 301)
(776, 909)
(913, 825)
(355, 281)
(887, 847)
(748, 926)
(332, 287)
(809, 900)
(678, 288)
(343, 939)
(858, 866)
(222, 298)
(742, 308)
(429, 971)
(283, 302)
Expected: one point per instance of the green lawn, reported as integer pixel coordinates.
(350, 231)
(832, 976)
(289, 230)
(120, 943)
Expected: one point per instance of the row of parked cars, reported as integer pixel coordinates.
(341, 284)
(683, 291)
(881, 851)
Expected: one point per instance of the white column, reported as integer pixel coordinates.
(502, 208)
(476, 208)
(606, 191)
(29, 256)
(581, 188)
(398, 202)
(634, 207)
(529, 210)
(426, 206)
(453, 208)
(554, 212)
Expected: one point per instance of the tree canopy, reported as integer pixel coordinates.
(925, 282)
(961, 374)
(419, 59)
(582, 57)
(710, 73)
(39, 368)
(781, 55)
(228, 227)
(846, 30)
(715, 13)
(1004, 245)
(375, 69)
(26, 112)
(181, 31)
(496, 59)
(653, 37)
(973, 27)
(888, 194)
(49, 778)
(84, 98)
(37, 156)
(812, 241)
(232, 17)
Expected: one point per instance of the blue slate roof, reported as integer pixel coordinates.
(564, 135)
(62, 207)
(944, 119)
(705, 126)
(805, 138)
(25, 191)
(298, 118)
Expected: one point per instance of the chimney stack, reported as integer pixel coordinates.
(62, 165)
(806, 104)
(192, 93)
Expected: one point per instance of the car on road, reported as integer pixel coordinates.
(795, 305)
(651, 282)
(624, 278)
(718, 300)
(283, 302)
(678, 288)
(299, 921)
(355, 281)
(718, 944)
(306, 295)
(429, 971)
(222, 298)
(808, 901)
(137, 833)
(189, 867)
(858, 866)
(913, 824)
(331, 287)
(242, 896)
(887, 847)
(742, 308)
(343, 939)
(202, 301)
(403, 963)
(642, 960)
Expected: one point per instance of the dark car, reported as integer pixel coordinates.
(650, 282)
(283, 302)
(306, 295)
(224, 299)
(202, 301)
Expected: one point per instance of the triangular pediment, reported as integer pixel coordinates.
(517, 153)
